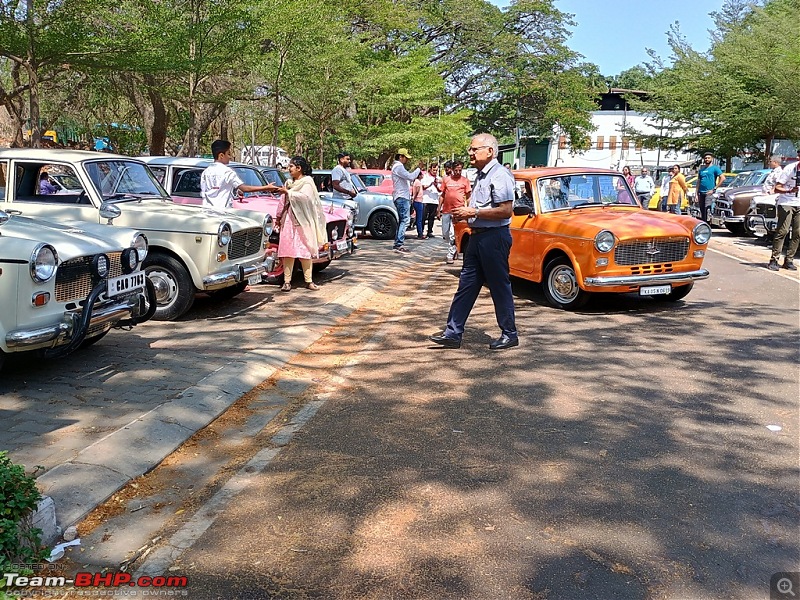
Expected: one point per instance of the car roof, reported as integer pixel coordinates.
(188, 161)
(375, 171)
(45, 154)
(552, 171)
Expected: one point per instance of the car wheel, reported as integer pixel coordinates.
(736, 228)
(317, 267)
(93, 340)
(174, 287)
(679, 293)
(561, 287)
(229, 292)
(382, 225)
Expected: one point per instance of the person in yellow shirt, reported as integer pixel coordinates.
(677, 189)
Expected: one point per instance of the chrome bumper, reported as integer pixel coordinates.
(238, 273)
(639, 280)
(736, 219)
(63, 331)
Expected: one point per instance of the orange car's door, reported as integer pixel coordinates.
(522, 236)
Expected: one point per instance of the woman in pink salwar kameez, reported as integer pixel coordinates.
(301, 222)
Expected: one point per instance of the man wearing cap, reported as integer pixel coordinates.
(788, 207)
(486, 258)
(402, 179)
(643, 187)
(709, 178)
(341, 180)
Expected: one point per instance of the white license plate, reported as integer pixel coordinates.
(125, 283)
(254, 279)
(341, 245)
(655, 290)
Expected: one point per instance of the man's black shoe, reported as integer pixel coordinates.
(445, 341)
(503, 342)
(788, 264)
(773, 265)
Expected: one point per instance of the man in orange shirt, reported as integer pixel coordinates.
(455, 192)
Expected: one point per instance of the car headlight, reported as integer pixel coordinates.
(129, 260)
(268, 226)
(100, 266)
(701, 233)
(43, 263)
(140, 244)
(334, 234)
(224, 234)
(604, 241)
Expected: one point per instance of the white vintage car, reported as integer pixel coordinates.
(192, 249)
(64, 287)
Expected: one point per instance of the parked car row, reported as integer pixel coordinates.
(112, 248)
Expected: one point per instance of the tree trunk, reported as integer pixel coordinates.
(768, 149)
(201, 119)
(33, 79)
(149, 103)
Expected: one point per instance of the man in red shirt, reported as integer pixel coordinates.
(455, 192)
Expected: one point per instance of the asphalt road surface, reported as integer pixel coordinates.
(634, 449)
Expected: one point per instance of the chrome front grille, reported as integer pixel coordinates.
(245, 243)
(653, 251)
(339, 227)
(74, 277)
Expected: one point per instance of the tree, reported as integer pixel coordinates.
(740, 94)
(40, 40)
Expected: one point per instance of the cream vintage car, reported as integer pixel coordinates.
(192, 249)
(64, 287)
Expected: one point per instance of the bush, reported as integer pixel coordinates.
(19, 542)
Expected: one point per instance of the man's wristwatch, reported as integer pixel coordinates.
(477, 212)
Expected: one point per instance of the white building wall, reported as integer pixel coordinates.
(609, 126)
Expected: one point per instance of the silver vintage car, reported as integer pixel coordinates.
(64, 287)
(192, 249)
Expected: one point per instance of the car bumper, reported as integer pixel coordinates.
(760, 226)
(239, 273)
(68, 328)
(639, 280)
(337, 251)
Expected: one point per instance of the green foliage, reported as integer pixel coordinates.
(743, 92)
(19, 543)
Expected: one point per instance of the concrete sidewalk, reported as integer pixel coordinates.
(110, 413)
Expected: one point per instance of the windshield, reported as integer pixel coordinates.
(273, 176)
(124, 180)
(738, 180)
(249, 176)
(574, 191)
(359, 185)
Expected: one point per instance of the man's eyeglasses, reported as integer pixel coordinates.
(474, 149)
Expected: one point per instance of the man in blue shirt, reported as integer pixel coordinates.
(709, 178)
(486, 259)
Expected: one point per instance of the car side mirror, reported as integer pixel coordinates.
(110, 212)
(4, 217)
(522, 210)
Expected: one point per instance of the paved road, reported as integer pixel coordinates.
(636, 449)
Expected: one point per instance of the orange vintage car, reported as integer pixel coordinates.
(581, 230)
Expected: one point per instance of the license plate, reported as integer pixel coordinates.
(759, 230)
(655, 290)
(125, 283)
(341, 245)
(254, 279)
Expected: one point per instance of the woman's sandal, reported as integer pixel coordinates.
(286, 287)
(312, 286)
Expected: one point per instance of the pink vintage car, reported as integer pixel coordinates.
(180, 176)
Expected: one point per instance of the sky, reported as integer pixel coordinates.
(614, 34)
